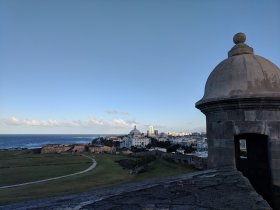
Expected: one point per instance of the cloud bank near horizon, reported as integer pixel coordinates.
(90, 125)
(91, 122)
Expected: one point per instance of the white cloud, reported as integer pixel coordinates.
(157, 126)
(119, 123)
(89, 123)
(94, 121)
(112, 124)
(11, 121)
(114, 111)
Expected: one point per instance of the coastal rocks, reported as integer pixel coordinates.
(13, 149)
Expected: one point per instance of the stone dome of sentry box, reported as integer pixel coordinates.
(242, 74)
(242, 107)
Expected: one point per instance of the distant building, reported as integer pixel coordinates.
(179, 134)
(158, 149)
(180, 150)
(134, 139)
(163, 139)
(156, 132)
(151, 131)
(135, 132)
(163, 135)
(126, 142)
(140, 142)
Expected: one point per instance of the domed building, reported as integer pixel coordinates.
(134, 139)
(135, 132)
(242, 107)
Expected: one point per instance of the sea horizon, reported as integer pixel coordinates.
(33, 141)
(61, 134)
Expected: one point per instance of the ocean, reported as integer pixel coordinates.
(32, 141)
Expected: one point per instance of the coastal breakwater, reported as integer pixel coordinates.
(74, 148)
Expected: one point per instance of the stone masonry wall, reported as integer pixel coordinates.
(223, 125)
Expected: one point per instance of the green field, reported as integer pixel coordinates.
(18, 167)
(23, 166)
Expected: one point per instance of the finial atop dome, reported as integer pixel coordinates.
(240, 47)
(239, 38)
(135, 132)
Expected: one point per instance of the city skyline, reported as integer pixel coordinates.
(101, 67)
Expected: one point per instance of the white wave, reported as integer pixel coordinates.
(82, 142)
(84, 137)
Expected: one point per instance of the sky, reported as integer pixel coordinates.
(103, 66)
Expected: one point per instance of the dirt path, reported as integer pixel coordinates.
(93, 165)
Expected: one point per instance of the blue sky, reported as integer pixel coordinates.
(102, 66)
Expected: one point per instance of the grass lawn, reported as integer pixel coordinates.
(23, 166)
(106, 173)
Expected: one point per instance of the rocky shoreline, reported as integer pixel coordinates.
(16, 149)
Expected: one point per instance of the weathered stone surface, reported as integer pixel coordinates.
(62, 148)
(245, 75)
(211, 189)
(269, 115)
(250, 115)
(241, 102)
(236, 115)
(56, 148)
(251, 127)
(217, 116)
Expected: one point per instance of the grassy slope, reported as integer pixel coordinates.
(107, 173)
(22, 166)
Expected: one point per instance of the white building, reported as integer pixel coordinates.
(140, 142)
(158, 149)
(126, 143)
(151, 131)
(135, 139)
(179, 134)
